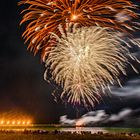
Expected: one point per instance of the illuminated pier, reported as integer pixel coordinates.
(6, 122)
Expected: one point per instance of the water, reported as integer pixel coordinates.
(92, 130)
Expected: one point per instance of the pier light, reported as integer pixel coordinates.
(23, 122)
(2, 122)
(19, 122)
(8, 122)
(13, 122)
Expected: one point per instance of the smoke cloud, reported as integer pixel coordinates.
(130, 89)
(101, 118)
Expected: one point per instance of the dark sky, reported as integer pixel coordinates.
(22, 87)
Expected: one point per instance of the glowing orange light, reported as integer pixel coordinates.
(23, 122)
(18, 122)
(28, 122)
(2, 122)
(13, 122)
(8, 122)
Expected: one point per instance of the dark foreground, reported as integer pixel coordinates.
(56, 135)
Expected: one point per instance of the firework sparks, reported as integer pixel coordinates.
(86, 61)
(44, 16)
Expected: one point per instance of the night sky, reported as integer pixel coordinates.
(23, 88)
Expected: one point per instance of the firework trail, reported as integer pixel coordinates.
(44, 16)
(86, 61)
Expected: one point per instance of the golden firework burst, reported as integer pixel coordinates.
(86, 61)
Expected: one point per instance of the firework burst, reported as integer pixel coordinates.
(86, 61)
(44, 16)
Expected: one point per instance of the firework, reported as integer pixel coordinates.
(44, 16)
(86, 61)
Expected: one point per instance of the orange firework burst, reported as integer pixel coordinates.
(44, 16)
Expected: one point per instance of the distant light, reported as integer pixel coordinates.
(28, 122)
(2, 122)
(19, 122)
(13, 122)
(7, 122)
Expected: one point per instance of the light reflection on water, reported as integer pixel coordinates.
(92, 130)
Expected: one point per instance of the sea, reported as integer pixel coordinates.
(92, 130)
